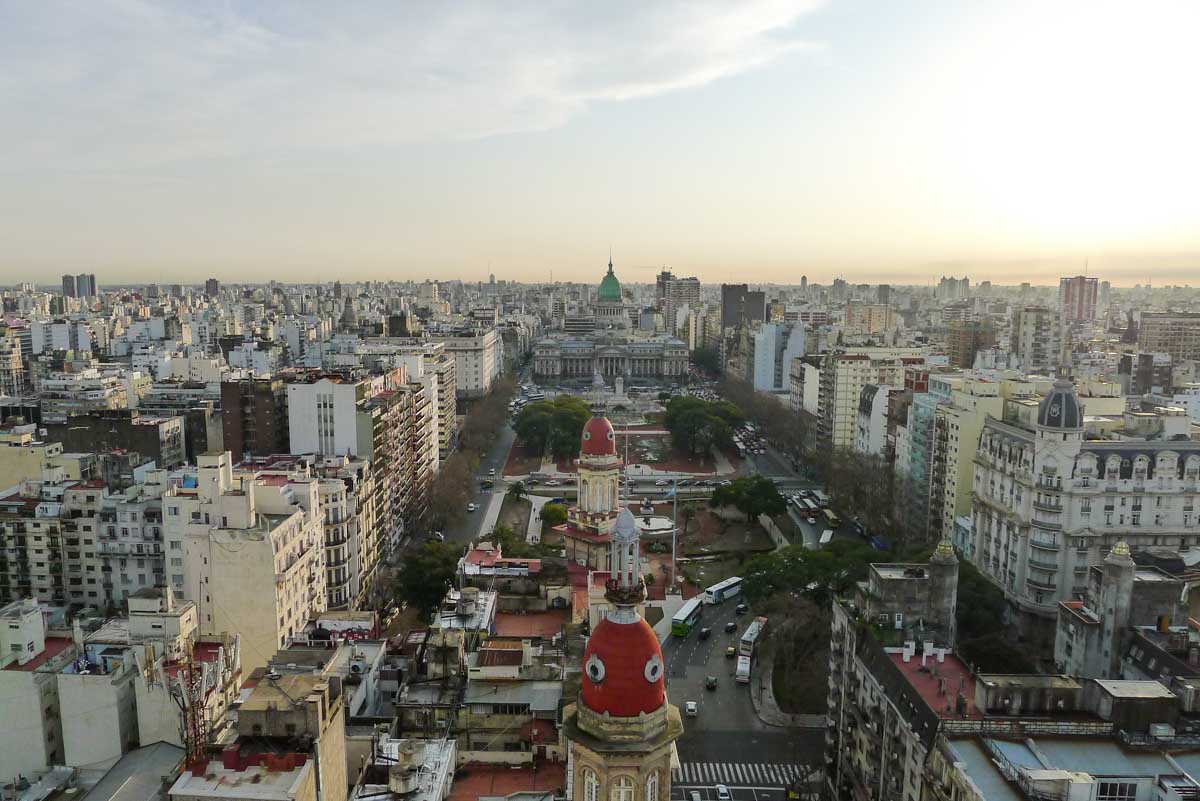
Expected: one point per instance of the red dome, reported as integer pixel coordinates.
(599, 439)
(623, 669)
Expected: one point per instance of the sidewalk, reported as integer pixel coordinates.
(768, 711)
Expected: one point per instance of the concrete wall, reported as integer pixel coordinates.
(98, 718)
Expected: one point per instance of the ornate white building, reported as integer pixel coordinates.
(1053, 498)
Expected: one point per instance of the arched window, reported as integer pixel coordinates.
(652, 786)
(622, 789)
(591, 785)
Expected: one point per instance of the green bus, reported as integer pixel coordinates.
(687, 617)
(833, 520)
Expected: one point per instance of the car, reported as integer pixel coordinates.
(471, 507)
(485, 484)
(492, 472)
(708, 482)
(812, 521)
(730, 652)
(705, 633)
(726, 483)
(662, 482)
(694, 795)
(710, 682)
(723, 793)
(533, 482)
(742, 609)
(731, 626)
(692, 709)
(552, 482)
(437, 535)
(684, 483)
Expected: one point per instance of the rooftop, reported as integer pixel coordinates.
(938, 683)
(252, 783)
(54, 647)
(1134, 689)
(535, 624)
(478, 780)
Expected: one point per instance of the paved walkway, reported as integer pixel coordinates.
(669, 605)
(533, 533)
(492, 514)
(768, 711)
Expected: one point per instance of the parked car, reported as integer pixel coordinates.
(492, 472)
(533, 482)
(710, 682)
(553, 482)
(723, 793)
(730, 627)
(470, 507)
(662, 482)
(742, 609)
(812, 521)
(692, 709)
(705, 633)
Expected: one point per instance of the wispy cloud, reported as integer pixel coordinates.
(119, 84)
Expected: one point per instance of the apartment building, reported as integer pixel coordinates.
(1077, 297)
(30, 659)
(129, 540)
(157, 439)
(353, 536)
(1054, 490)
(12, 363)
(965, 338)
(843, 375)
(872, 319)
(1036, 339)
(478, 357)
(254, 416)
(65, 395)
(873, 409)
(251, 549)
(773, 347)
(1175, 334)
(24, 455)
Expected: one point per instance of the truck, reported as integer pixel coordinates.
(742, 676)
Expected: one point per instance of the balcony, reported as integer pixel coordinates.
(1047, 506)
(1050, 525)
(1046, 542)
(1042, 565)
(1041, 585)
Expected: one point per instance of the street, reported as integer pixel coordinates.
(468, 529)
(726, 743)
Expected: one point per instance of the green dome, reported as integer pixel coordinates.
(610, 287)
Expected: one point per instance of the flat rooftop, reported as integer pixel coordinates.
(54, 647)
(253, 783)
(478, 780)
(536, 624)
(1134, 689)
(939, 683)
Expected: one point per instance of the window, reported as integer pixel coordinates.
(1117, 791)
(652, 786)
(591, 785)
(622, 789)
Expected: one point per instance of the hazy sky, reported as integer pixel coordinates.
(159, 141)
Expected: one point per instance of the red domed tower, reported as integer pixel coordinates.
(622, 730)
(590, 521)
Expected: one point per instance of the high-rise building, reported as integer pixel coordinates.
(254, 420)
(740, 306)
(212, 287)
(1037, 340)
(677, 293)
(869, 318)
(883, 294)
(1077, 297)
(85, 285)
(773, 346)
(1176, 334)
(69, 288)
(965, 338)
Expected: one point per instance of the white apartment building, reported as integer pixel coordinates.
(842, 378)
(478, 356)
(323, 415)
(12, 367)
(1037, 339)
(62, 395)
(252, 552)
(129, 540)
(1054, 493)
(872, 419)
(773, 347)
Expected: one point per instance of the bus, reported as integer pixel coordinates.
(723, 589)
(751, 635)
(687, 617)
(743, 670)
(537, 396)
(809, 506)
(821, 498)
(833, 520)
(826, 537)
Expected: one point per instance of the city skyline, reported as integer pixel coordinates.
(149, 142)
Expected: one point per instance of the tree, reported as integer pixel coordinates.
(450, 490)
(485, 417)
(698, 425)
(554, 514)
(751, 495)
(555, 425)
(689, 514)
(517, 491)
(818, 575)
(425, 575)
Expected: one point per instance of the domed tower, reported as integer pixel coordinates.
(599, 477)
(1060, 412)
(610, 287)
(621, 730)
(610, 311)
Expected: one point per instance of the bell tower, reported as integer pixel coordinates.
(621, 731)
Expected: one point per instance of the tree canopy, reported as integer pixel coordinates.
(554, 425)
(698, 425)
(707, 359)
(554, 514)
(818, 575)
(751, 495)
(425, 575)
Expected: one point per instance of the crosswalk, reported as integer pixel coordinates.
(737, 774)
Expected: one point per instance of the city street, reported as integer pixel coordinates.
(726, 743)
(468, 529)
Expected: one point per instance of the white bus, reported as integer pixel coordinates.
(821, 498)
(743, 670)
(826, 537)
(723, 589)
(751, 636)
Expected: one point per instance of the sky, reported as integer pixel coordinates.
(752, 141)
